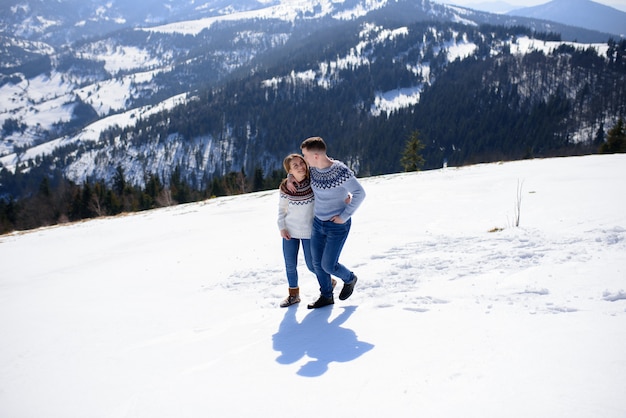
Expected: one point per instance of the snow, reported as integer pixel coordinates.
(524, 45)
(392, 100)
(174, 312)
(49, 99)
(114, 94)
(40, 102)
(360, 10)
(461, 50)
(91, 133)
(43, 102)
(287, 10)
(118, 58)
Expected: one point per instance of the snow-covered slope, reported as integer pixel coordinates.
(289, 11)
(174, 312)
(46, 100)
(56, 101)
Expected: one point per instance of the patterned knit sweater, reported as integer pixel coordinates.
(331, 186)
(295, 210)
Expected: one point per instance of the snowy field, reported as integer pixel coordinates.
(174, 312)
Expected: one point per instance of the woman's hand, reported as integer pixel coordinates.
(285, 234)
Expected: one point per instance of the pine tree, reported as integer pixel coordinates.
(412, 159)
(257, 183)
(119, 182)
(615, 139)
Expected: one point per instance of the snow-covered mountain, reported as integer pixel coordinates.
(490, 6)
(67, 21)
(77, 99)
(582, 13)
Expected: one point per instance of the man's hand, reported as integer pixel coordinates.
(292, 184)
(285, 234)
(337, 220)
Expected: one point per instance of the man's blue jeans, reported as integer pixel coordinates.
(290, 251)
(327, 241)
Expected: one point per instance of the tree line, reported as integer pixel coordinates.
(58, 200)
(478, 110)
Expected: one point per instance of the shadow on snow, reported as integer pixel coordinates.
(318, 339)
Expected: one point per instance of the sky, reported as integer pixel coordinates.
(457, 312)
(618, 4)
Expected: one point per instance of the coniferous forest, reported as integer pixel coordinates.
(480, 109)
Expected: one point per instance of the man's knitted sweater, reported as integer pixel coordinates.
(295, 210)
(331, 187)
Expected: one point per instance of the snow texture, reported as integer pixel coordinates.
(174, 312)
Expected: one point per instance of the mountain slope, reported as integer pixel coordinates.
(581, 13)
(174, 312)
(491, 6)
(64, 22)
(233, 92)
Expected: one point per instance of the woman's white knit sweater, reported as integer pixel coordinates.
(295, 210)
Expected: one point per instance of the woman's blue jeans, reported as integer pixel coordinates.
(327, 241)
(290, 251)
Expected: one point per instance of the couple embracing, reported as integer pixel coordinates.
(317, 200)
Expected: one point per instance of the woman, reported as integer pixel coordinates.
(295, 220)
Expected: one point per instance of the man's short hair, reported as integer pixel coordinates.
(314, 144)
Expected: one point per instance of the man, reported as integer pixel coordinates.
(331, 181)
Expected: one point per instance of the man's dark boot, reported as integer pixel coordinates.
(348, 288)
(322, 301)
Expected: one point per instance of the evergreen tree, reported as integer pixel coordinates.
(8, 215)
(181, 192)
(119, 182)
(615, 139)
(258, 181)
(599, 139)
(412, 159)
(151, 193)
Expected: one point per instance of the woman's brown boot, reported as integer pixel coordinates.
(293, 298)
